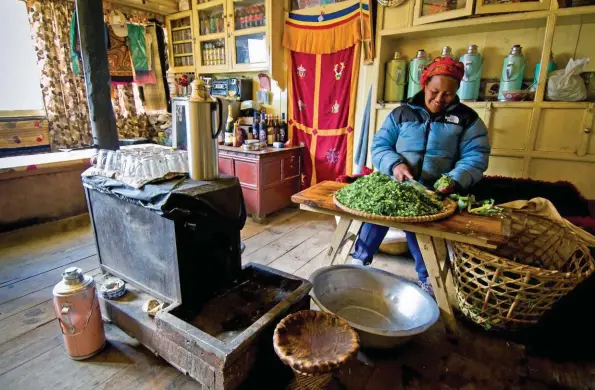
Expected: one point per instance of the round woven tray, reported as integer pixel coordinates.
(450, 206)
(314, 343)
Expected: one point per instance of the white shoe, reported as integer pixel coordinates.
(356, 261)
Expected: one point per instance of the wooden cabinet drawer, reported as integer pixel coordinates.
(250, 200)
(291, 166)
(246, 172)
(271, 172)
(226, 166)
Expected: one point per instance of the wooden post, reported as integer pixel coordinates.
(97, 79)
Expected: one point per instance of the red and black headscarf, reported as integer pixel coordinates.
(443, 66)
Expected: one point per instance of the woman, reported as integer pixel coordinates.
(433, 134)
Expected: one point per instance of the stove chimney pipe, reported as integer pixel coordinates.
(97, 79)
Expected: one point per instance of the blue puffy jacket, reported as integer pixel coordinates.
(454, 143)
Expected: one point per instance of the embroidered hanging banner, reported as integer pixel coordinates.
(331, 28)
(324, 66)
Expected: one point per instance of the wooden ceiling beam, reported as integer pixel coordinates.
(162, 7)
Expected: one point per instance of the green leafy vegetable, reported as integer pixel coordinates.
(443, 183)
(473, 206)
(379, 194)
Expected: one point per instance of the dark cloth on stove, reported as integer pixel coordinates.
(181, 199)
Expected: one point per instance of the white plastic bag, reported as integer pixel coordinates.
(566, 84)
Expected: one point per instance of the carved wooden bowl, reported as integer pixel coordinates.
(314, 343)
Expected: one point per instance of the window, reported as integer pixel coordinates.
(20, 94)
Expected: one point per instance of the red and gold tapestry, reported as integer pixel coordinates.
(323, 73)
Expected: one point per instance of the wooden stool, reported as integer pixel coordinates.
(314, 344)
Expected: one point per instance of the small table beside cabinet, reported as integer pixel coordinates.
(268, 177)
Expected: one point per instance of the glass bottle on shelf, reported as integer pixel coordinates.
(255, 125)
(222, 51)
(212, 24)
(236, 19)
(220, 23)
(261, 10)
(244, 19)
(283, 129)
(262, 130)
(252, 19)
(270, 131)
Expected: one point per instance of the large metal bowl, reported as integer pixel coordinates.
(385, 309)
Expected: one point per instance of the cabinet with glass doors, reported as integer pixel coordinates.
(232, 35)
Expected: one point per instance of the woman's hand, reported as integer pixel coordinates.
(402, 173)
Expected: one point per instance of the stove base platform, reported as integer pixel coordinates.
(217, 360)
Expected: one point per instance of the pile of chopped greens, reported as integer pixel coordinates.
(379, 194)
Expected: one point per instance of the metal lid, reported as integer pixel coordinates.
(516, 50)
(472, 49)
(446, 51)
(73, 281)
(398, 57)
(421, 53)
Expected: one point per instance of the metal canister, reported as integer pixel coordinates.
(513, 70)
(447, 52)
(469, 88)
(77, 308)
(416, 67)
(395, 79)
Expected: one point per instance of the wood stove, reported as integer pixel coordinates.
(179, 242)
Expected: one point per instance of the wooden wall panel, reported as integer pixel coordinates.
(559, 130)
(398, 17)
(381, 116)
(509, 128)
(506, 166)
(578, 173)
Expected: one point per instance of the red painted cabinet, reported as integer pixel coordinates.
(268, 177)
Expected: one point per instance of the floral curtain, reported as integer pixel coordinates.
(131, 120)
(64, 94)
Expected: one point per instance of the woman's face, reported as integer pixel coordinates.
(440, 91)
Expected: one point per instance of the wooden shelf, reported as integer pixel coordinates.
(211, 37)
(251, 30)
(182, 41)
(469, 22)
(570, 105)
(183, 55)
(584, 10)
(210, 4)
(495, 104)
(181, 28)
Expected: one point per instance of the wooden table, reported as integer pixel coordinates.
(431, 236)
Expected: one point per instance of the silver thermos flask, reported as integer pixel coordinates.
(202, 132)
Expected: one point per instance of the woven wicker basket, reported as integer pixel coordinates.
(512, 286)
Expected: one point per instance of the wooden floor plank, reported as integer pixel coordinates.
(275, 231)
(26, 302)
(25, 321)
(23, 251)
(252, 228)
(29, 345)
(146, 371)
(282, 245)
(9, 292)
(54, 369)
(299, 256)
(43, 264)
(316, 263)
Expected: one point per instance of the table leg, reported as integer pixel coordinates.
(341, 231)
(431, 259)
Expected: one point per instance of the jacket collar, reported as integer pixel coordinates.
(417, 103)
